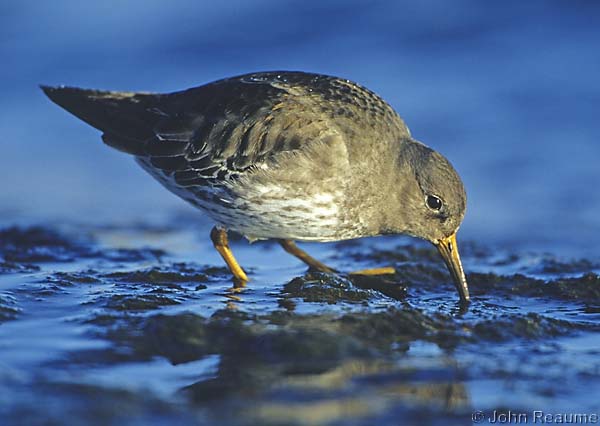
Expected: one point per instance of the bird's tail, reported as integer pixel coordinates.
(124, 117)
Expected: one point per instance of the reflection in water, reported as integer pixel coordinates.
(353, 389)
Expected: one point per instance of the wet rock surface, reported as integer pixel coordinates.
(87, 326)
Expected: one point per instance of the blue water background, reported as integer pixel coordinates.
(509, 91)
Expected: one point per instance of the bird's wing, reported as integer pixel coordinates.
(208, 133)
(217, 131)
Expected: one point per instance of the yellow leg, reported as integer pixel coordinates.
(294, 250)
(219, 239)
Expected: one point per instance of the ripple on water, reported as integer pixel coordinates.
(309, 348)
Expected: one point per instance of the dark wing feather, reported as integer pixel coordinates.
(124, 117)
(216, 131)
(203, 133)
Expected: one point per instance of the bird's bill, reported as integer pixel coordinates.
(449, 251)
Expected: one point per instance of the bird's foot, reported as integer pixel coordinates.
(238, 284)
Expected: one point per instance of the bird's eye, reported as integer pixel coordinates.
(433, 202)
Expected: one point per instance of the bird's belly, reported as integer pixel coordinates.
(305, 219)
(287, 211)
(263, 212)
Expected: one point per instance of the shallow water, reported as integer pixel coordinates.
(115, 309)
(98, 332)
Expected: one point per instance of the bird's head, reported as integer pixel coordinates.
(432, 204)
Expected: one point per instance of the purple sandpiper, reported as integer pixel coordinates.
(286, 156)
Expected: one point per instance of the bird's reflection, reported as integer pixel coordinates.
(355, 388)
